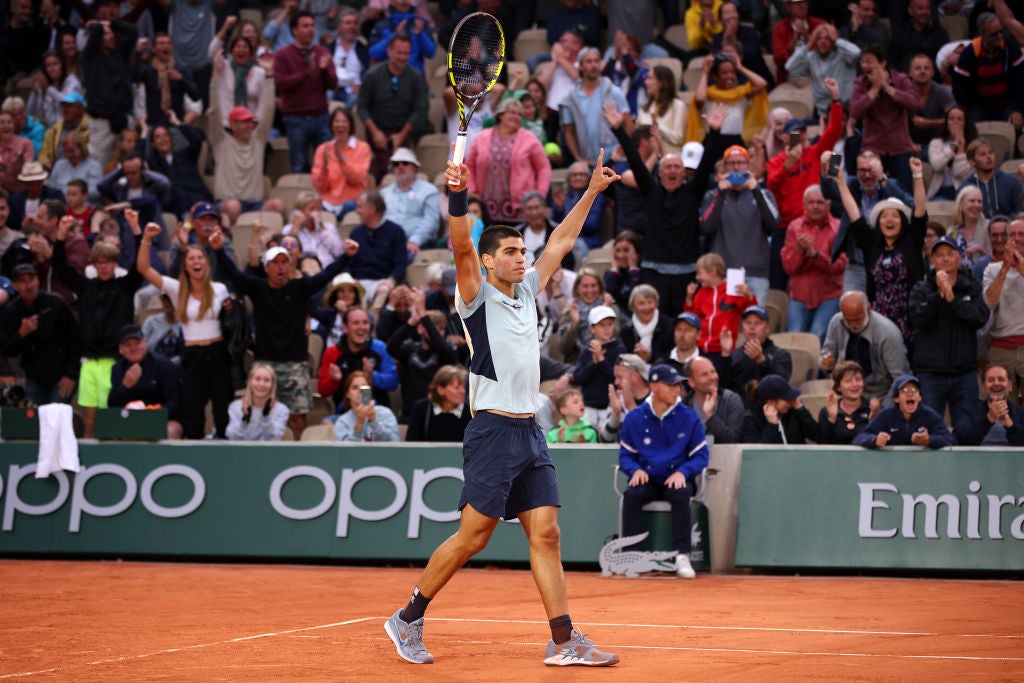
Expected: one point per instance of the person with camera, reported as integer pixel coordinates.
(363, 420)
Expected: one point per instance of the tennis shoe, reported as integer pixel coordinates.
(578, 651)
(684, 570)
(408, 639)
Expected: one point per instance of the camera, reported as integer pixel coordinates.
(12, 395)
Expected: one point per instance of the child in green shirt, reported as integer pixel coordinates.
(572, 428)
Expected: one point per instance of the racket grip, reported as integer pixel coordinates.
(460, 148)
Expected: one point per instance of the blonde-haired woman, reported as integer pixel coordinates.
(258, 415)
(206, 363)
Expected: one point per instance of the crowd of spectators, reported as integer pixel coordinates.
(134, 135)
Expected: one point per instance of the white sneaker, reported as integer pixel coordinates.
(684, 570)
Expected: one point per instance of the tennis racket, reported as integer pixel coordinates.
(476, 56)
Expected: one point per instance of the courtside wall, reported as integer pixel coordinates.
(956, 509)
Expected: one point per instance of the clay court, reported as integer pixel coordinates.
(132, 621)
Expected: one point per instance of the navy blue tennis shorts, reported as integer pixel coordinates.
(506, 466)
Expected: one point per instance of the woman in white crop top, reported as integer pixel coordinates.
(206, 363)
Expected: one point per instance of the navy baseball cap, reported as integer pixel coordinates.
(902, 381)
(794, 124)
(665, 374)
(774, 386)
(130, 332)
(690, 318)
(948, 241)
(756, 310)
(206, 209)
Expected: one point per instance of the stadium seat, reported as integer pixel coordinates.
(1012, 166)
(532, 41)
(956, 26)
(677, 36)
(778, 310)
(1001, 134)
(816, 386)
(433, 151)
(278, 162)
(269, 220)
(691, 76)
(805, 348)
(318, 432)
(941, 212)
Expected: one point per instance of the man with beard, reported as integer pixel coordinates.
(996, 421)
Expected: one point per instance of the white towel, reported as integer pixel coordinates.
(58, 448)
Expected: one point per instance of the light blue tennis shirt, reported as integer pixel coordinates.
(504, 371)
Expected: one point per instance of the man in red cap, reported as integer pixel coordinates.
(740, 214)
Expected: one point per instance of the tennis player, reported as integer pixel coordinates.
(507, 470)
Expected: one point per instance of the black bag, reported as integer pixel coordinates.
(237, 332)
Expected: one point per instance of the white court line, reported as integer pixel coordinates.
(272, 634)
(240, 639)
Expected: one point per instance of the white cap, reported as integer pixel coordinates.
(692, 154)
(599, 313)
(274, 252)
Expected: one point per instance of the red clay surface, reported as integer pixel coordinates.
(127, 621)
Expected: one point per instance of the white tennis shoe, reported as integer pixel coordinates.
(408, 639)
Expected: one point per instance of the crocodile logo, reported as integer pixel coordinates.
(614, 560)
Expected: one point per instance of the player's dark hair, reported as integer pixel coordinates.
(491, 238)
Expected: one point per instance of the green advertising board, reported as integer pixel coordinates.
(293, 501)
(959, 509)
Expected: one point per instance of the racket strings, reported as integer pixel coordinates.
(476, 56)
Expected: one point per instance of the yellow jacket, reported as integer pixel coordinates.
(700, 36)
(49, 153)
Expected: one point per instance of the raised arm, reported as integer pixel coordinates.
(850, 204)
(564, 236)
(467, 261)
(142, 258)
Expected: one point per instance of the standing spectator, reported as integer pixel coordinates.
(672, 235)
(908, 423)
(586, 130)
(883, 101)
(392, 103)
(258, 415)
(795, 168)
(892, 244)
(720, 410)
(401, 20)
(147, 191)
(412, 203)
(779, 417)
(206, 364)
(41, 329)
(192, 26)
(947, 153)
(278, 30)
(989, 78)
(816, 280)
(846, 411)
(947, 310)
(865, 28)
(747, 102)
(443, 414)
(935, 99)
(166, 84)
(106, 68)
(71, 119)
(25, 37)
(825, 55)
(997, 420)
(505, 162)
(1000, 191)
(717, 309)
(382, 254)
(238, 176)
(280, 339)
(363, 422)
(105, 305)
(663, 451)
(303, 73)
(180, 166)
(748, 38)
(139, 375)
(239, 81)
(351, 57)
(624, 69)
(922, 34)
(1004, 294)
(739, 215)
(864, 336)
(702, 24)
(791, 31)
(558, 75)
(340, 166)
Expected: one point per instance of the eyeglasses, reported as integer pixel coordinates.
(863, 170)
(910, 391)
(997, 235)
(394, 84)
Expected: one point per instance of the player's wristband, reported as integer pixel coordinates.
(458, 203)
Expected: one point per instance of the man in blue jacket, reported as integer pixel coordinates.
(662, 451)
(908, 423)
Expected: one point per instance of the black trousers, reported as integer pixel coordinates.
(205, 376)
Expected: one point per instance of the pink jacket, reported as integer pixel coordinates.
(530, 167)
(338, 182)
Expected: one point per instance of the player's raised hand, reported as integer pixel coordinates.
(457, 177)
(603, 176)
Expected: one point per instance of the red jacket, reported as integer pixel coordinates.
(717, 311)
(788, 185)
(818, 279)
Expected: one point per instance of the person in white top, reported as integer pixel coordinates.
(206, 363)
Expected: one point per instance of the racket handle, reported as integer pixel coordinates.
(460, 148)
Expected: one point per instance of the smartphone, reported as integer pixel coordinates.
(833, 165)
(365, 395)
